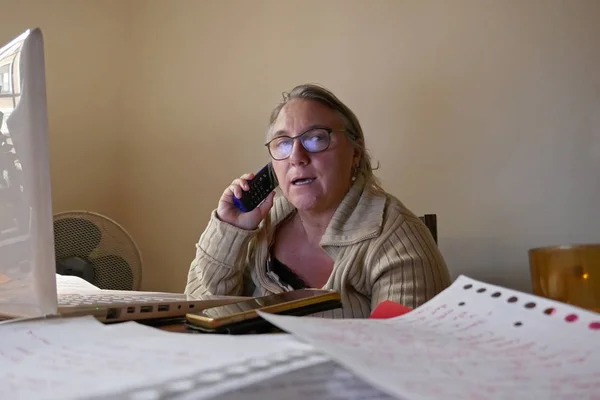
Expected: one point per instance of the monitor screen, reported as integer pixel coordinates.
(27, 265)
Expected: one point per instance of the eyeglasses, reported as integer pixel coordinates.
(313, 140)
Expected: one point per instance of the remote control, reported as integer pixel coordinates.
(263, 183)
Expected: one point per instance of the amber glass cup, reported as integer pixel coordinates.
(570, 274)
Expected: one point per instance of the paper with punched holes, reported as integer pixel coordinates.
(472, 341)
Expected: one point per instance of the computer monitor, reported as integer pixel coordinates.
(27, 269)
(27, 256)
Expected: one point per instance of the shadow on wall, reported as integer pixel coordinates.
(433, 148)
(441, 173)
(489, 260)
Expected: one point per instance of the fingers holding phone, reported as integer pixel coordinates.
(240, 184)
(248, 199)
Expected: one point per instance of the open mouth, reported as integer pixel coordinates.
(302, 181)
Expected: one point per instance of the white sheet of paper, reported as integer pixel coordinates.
(70, 284)
(67, 284)
(72, 358)
(472, 341)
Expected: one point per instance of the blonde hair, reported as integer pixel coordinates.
(352, 126)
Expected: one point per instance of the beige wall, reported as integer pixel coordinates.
(84, 48)
(484, 112)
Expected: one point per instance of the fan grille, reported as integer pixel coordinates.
(102, 242)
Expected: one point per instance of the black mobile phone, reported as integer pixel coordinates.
(263, 183)
(241, 317)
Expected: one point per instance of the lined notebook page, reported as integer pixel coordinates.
(472, 341)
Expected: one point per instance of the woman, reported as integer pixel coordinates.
(328, 225)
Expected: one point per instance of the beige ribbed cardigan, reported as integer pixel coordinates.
(381, 251)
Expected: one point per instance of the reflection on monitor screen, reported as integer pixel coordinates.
(27, 266)
(11, 179)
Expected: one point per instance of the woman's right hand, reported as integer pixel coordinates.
(228, 212)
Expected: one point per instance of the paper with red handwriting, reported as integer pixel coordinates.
(472, 341)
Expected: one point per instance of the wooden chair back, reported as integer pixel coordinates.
(430, 220)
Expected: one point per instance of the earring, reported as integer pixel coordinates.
(354, 170)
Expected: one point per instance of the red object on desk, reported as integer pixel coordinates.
(389, 309)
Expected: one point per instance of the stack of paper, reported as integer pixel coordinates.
(328, 381)
(473, 341)
(78, 358)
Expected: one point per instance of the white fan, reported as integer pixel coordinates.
(97, 249)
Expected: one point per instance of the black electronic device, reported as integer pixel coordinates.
(263, 183)
(241, 317)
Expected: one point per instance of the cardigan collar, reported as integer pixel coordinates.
(358, 217)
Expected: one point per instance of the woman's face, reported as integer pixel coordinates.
(314, 182)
